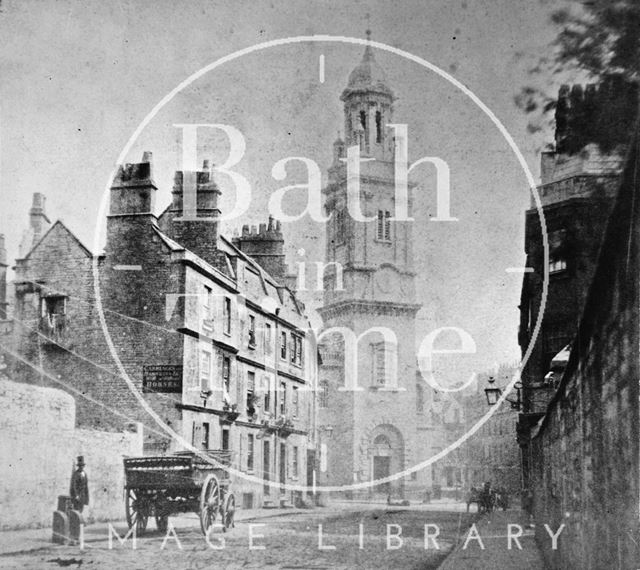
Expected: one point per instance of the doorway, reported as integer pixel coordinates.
(382, 469)
(266, 463)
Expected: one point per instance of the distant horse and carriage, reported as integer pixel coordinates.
(488, 498)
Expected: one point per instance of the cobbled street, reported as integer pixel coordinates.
(286, 541)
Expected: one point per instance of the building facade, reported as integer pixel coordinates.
(579, 181)
(176, 328)
(579, 427)
(586, 448)
(372, 424)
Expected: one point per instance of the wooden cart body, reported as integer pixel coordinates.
(166, 485)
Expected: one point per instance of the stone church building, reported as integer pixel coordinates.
(372, 424)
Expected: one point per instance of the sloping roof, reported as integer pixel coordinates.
(60, 224)
(171, 244)
(248, 259)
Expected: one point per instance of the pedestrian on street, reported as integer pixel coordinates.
(79, 489)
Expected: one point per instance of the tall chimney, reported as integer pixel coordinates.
(131, 216)
(192, 220)
(265, 244)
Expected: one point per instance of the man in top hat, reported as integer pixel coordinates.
(79, 489)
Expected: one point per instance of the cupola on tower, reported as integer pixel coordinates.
(368, 107)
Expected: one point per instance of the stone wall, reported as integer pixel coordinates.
(586, 451)
(39, 445)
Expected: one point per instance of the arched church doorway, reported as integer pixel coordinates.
(386, 455)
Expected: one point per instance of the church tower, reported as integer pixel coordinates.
(367, 401)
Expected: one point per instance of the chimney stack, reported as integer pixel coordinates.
(196, 230)
(265, 244)
(38, 218)
(133, 190)
(131, 217)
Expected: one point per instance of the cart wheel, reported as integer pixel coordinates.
(209, 503)
(136, 511)
(228, 516)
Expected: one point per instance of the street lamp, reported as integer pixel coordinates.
(493, 394)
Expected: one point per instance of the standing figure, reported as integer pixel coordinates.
(79, 489)
(488, 497)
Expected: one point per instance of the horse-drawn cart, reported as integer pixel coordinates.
(183, 482)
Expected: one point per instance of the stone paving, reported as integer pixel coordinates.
(338, 537)
(493, 531)
(290, 537)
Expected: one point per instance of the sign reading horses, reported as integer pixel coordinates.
(165, 378)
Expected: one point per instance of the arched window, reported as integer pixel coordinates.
(378, 126)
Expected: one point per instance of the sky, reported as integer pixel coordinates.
(78, 77)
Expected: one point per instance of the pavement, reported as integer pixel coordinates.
(493, 531)
(29, 540)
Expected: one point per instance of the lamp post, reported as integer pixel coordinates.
(493, 394)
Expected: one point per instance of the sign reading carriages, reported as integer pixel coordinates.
(166, 378)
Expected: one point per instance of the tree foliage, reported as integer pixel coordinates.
(600, 38)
